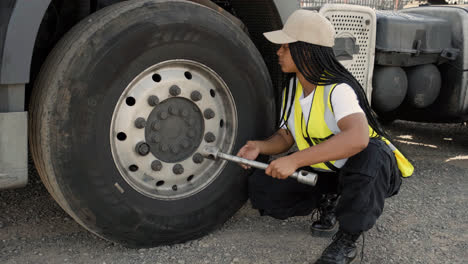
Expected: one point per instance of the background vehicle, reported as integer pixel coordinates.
(130, 91)
(418, 58)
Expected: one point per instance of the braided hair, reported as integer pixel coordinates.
(319, 66)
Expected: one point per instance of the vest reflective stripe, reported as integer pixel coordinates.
(315, 128)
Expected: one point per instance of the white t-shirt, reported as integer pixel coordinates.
(343, 100)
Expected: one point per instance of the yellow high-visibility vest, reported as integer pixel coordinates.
(322, 125)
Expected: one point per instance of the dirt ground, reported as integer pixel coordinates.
(426, 223)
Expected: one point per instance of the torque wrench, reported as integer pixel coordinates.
(301, 176)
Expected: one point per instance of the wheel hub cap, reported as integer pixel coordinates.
(177, 136)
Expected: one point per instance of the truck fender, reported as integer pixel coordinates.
(19, 40)
(21, 36)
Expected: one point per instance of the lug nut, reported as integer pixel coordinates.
(175, 149)
(196, 96)
(156, 126)
(174, 187)
(178, 169)
(140, 122)
(210, 137)
(163, 115)
(164, 148)
(198, 158)
(208, 113)
(153, 100)
(156, 165)
(174, 90)
(156, 138)
(173, 110)
(191, 134)
(142, 148)
(191, 122)
(185, 144)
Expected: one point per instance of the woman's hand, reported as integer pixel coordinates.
(249, 151)
(282, 168)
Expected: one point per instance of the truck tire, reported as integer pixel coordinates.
(123, 106)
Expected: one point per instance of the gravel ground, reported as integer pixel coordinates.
(426, 223)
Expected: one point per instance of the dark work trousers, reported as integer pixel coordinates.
(363, 184)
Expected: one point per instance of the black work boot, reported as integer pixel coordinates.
(326, 224)
(341, 251)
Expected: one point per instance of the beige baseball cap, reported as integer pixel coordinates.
(307, 26)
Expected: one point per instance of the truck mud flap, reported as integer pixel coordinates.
(13, 150)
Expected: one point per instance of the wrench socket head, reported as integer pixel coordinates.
(210, 152)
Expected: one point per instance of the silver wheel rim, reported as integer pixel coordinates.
(163, 119)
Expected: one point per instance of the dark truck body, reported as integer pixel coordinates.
(432, 35)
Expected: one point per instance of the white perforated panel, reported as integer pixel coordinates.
(359, 23)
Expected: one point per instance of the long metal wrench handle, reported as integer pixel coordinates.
(302, 176)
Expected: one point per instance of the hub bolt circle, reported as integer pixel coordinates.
(156, 138)
(156, 126)
(173, 110)
(153, 100)
(175, 149)
(185, 144)
(195, 96)
(174, 90)
(191, 134)
(140, 123)
(156, 165)
(209, 113)
(191, 122)
(210, 137)
(178, 169)
(198, 158)
(142, 148)
(164, 148)
(163, 115)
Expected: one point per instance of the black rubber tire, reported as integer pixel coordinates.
(75, 95)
